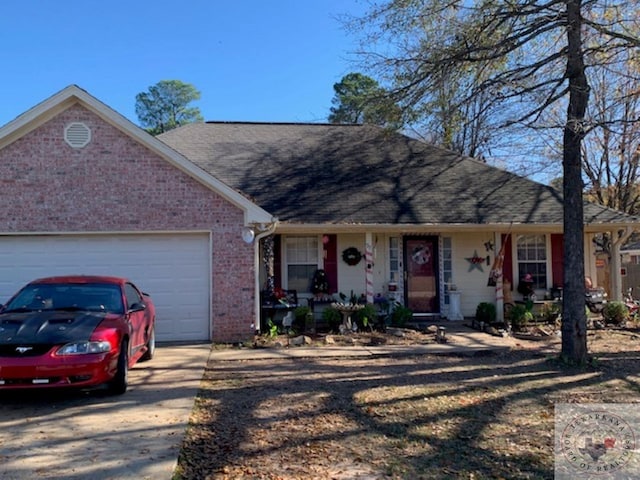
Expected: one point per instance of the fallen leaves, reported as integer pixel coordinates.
(436, 417)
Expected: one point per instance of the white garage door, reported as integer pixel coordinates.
(172, 268)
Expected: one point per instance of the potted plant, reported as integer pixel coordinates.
(366, 317)
(550, 312)
(520, 316)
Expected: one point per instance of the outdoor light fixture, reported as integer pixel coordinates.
(248, 235)
(257, 231)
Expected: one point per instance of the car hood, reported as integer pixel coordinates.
(48, 327)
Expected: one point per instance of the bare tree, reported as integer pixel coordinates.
(534, 57)
(448, 117)
(611, 157)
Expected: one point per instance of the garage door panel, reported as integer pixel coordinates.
(173, 269)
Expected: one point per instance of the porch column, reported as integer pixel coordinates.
(268, 263)
(368, 259)
(269, 286)
(497, 241)
(617, 240)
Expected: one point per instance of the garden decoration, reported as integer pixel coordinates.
(351, 256)
(421, 255)
(475, 261)
(347, 309)
(498, 262)
(525, 287)
(320, 283)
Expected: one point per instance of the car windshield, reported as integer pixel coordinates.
(97, 297)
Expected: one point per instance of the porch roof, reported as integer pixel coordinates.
(356, 175)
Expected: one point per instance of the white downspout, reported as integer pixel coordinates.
(499, 288)
(264, 232)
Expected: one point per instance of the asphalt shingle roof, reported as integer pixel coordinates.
(363, 174)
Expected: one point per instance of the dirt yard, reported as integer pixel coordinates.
(488, 416)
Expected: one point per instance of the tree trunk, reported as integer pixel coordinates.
(574, 321)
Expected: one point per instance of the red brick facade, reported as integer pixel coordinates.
(115, 184)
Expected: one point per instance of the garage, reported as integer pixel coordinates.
(84, 190)
(173, 268)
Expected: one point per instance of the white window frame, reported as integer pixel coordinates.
(395, 254)
(397, 273)
(516, 261)
(287, 261)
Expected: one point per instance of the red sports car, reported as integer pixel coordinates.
(75, 331)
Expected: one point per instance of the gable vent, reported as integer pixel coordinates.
(77, 135)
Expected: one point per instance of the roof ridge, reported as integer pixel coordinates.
(250, 122)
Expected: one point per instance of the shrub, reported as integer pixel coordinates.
(332, 317)
(401, 315)
(519, 316)
(615, 312)
(366, 317)
(486, 312)
(550, 311)
(302, 315)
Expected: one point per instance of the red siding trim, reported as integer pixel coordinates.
(557, 254)
(277, 261)
(507, 266)
(330, 250)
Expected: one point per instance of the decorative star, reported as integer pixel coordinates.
(475, 262)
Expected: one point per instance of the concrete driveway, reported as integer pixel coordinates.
(73, 436)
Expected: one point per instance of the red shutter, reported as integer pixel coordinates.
(557, 254)
(330, 251)
(507, 266)
(277, 261)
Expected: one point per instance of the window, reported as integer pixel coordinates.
(133, 296)
(531, 251)
(302, 257)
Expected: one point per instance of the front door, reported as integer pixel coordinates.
(421, 274)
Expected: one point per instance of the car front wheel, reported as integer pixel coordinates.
(119, 383)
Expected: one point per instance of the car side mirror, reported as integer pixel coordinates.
(137, 307)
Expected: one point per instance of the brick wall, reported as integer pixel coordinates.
(115, 184)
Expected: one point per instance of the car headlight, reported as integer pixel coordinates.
(82, 348)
